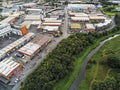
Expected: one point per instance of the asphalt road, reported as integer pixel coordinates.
(84, 64)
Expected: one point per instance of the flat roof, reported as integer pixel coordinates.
(11, 17)
(51, 24)
(95, 17)
(29, 49)
(34, 9)
(75, 26)
(90, 26)
(51, 28)
(8, 66)
(36, 23)
(32, 17)
(80, 18)
(53, 21)
(78, 14)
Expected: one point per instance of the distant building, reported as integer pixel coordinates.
(81, 7)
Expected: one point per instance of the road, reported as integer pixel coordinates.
(84, 64)
(37, 60)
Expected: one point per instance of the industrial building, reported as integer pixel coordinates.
(81, 7)
(9, 67)
(102, 26)
(90, 27)
(75, 27)
(15, 45)
(35, 46)
(5, 30)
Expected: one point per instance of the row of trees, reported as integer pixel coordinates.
(117, 19)
(59, 63)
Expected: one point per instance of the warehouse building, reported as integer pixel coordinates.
(81, 7)
(5, 30)
(29, 49)
(80, 19)
(15, 45)
(90, 28)
(104, 25)
(75, 27)
(35, 46)
(51, 29)
(9, 67)
(32, 18)
(96, 18)
(11, 18)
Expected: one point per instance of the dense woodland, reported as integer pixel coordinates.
(111, 82)
(59, 63)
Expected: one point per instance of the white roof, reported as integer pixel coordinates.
(29, 4)
(7, 66)
(36, 23)
(81, 6)
(11, 17)
(47, 19)
(104, 24)
(53, 21)
(78, 14)
(80, 18)
(34, 9)
(26, 23)
(51, 28)
(51, 24)
(90, 26)
(96, 17)
(29, 49)
(32, 17)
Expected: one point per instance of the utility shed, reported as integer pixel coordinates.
(8, 67)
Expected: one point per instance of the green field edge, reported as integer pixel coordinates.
(68, 80)
(84, 83)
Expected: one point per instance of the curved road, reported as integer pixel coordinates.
(84, 64)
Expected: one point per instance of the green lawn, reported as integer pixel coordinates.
(66, 83)
(98, 71)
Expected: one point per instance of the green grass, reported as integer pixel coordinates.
(66, 83)
(98, 71)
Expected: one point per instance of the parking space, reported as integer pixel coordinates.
(8, 39)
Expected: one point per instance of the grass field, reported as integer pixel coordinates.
(98, 71)
(66, 83)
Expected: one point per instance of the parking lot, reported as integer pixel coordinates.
(8, 39)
